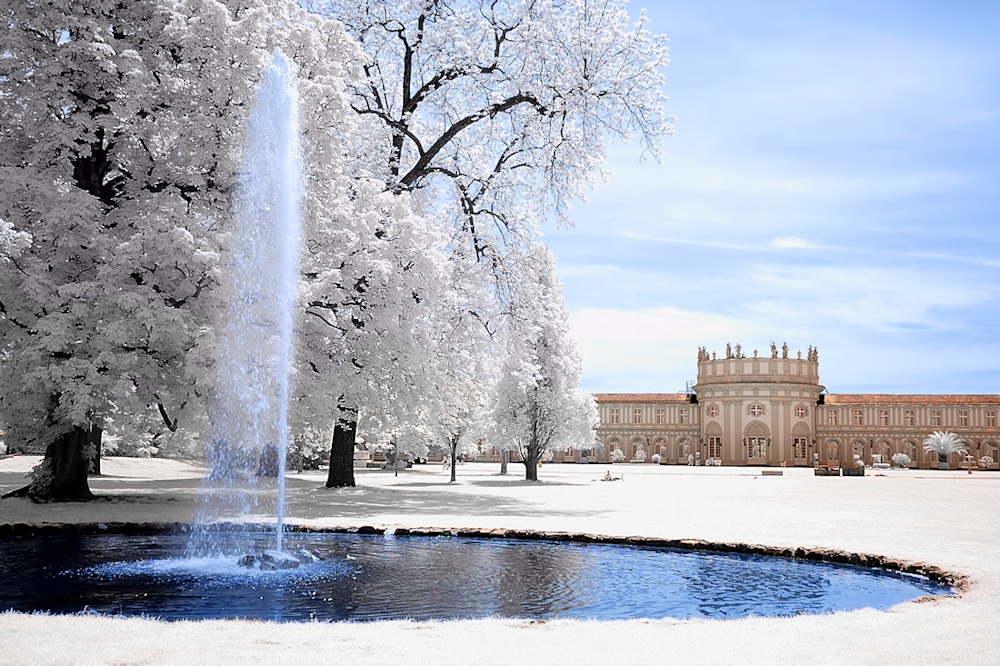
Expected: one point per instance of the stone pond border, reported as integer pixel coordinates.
(960, 582)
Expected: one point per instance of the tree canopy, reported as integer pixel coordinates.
(437, 135)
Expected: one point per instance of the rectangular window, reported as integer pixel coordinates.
(831, 418)
(991, 418)
(684, 416)
(936, 417)
(661, 416)
(616, 415)
(799, 447)
(756, 447)
(857, 417)
(637, 415)
(883, 417)
(714, 446)
(911, 418)
(963, 417)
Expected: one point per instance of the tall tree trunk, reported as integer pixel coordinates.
(504, 455)
(63, 477)
(342, 454)
(454, 458)
(531, 463)
(96, 439)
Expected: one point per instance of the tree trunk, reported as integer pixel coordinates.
(342, 455)
(503, 462)
(268, 464)
(63, 477)
(531, 463)
(454, 457)
(96, 438)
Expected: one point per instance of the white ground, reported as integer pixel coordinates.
(945, 518)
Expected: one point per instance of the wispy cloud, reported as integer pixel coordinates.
(791, 241)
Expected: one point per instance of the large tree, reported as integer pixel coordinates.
(495, 115)
(537, 404)
(118, 153)
(117, 199)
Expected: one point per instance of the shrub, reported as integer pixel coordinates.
(617, 456)
(901, 460)
(656, 458)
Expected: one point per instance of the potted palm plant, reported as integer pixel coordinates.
(944, 443)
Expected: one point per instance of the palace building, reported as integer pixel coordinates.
(772, 411)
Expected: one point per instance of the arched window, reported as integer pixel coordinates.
(884, 451)
(858, 449)
(833, 451)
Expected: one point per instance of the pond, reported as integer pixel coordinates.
(375, 577)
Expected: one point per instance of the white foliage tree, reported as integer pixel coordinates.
(119, 148)
(373, 270)
(538, 405)
(496, 115)
(465, 357)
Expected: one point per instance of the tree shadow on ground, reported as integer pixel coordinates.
(498, 483)
(365, 501)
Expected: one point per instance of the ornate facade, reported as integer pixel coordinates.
(771, 410)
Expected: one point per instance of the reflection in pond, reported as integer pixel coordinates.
(382, 577)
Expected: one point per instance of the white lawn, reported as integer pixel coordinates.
(944, 518)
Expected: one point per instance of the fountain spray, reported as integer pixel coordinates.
(250, 409)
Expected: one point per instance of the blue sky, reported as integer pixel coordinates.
(834, 181)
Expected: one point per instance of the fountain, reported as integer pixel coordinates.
(249, 414)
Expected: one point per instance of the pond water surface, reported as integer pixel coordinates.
(372, 577)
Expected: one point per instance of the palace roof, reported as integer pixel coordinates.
(884, 399)
(645, 398)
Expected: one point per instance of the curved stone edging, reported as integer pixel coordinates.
(960, 582)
